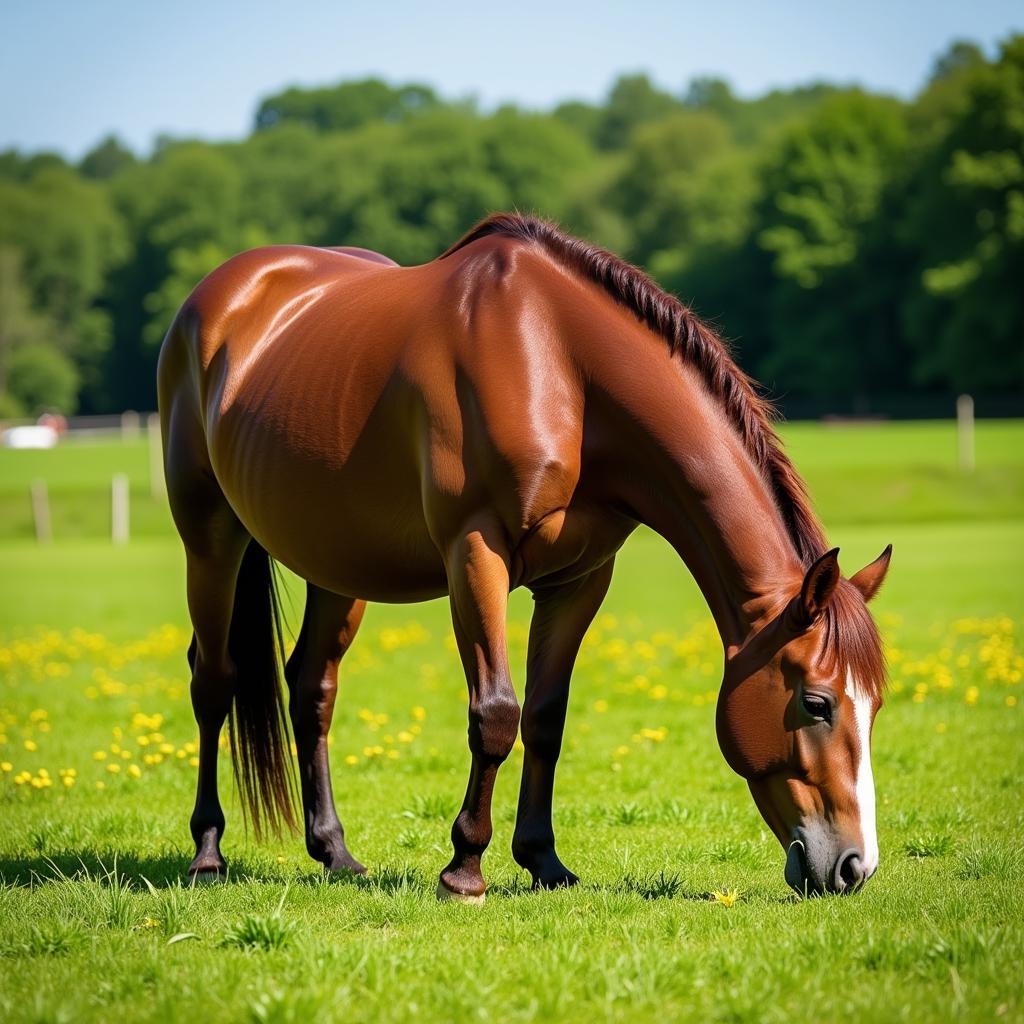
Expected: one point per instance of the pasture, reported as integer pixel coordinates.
(682, 911)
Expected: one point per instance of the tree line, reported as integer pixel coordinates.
(852, 246)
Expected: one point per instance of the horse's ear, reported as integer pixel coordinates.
(871, 577)
(816, 591)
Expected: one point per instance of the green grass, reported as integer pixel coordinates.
(96, 925)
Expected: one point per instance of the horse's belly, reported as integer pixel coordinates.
(354, 542)
(353, 525)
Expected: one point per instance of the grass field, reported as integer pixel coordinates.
(97, 741)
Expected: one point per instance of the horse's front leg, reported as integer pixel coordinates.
(478, 580)
(329, 626)
(560, 619)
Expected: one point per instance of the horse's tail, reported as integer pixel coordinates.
(258, 725)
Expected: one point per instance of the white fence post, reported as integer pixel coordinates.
(965, 432)
(157, 484)
(41, 511)
(129, 425)
(119, 509)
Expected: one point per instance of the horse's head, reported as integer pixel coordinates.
(794, 719)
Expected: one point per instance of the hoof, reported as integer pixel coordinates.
(346, 866)
(444, 894)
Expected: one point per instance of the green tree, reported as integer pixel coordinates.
(965, 218)
(346, 106)
(106, 160)
(69, 237)
(20, 323)
(824, 191)
(633, 100)
(41, 378)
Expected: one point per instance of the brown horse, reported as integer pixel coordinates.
(503, 416)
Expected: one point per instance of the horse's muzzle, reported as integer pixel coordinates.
(813, 875)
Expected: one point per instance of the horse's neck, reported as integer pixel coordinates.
(707, 499)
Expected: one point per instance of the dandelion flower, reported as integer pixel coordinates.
(726, 897)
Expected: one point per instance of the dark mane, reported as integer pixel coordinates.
(690, 339)
(850, 632)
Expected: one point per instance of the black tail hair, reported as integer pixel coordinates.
(258, 723)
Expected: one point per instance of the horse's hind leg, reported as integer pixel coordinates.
(328, 628)
(211, 590)
(560, 620)
(215, 542)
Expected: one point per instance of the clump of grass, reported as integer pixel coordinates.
(629, 814)
(173, 905)
(655, 887)
(671, 812)
(992, 862)
(117, 890)
(393, 879)
(261, 931)
(937, 844)
(54, 938)
(737, 851)
(49, 837)
(431, 807)
(408, 839)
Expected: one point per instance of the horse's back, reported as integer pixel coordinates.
(355, 412)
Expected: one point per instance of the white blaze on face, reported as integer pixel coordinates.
(865, 781)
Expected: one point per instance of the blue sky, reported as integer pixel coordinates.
(74, 71)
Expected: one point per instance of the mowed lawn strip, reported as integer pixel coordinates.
(93, 678)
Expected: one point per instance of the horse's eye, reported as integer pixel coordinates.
(817, 707)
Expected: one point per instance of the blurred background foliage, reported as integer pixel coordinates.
(863, 253)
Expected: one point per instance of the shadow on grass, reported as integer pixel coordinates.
(171, 868)
(161, 870)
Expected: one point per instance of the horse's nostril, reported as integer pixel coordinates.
(849, 872)
(796, 866)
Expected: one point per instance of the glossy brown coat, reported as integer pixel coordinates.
(503, 416)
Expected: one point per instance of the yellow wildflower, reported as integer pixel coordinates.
(726, 897)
